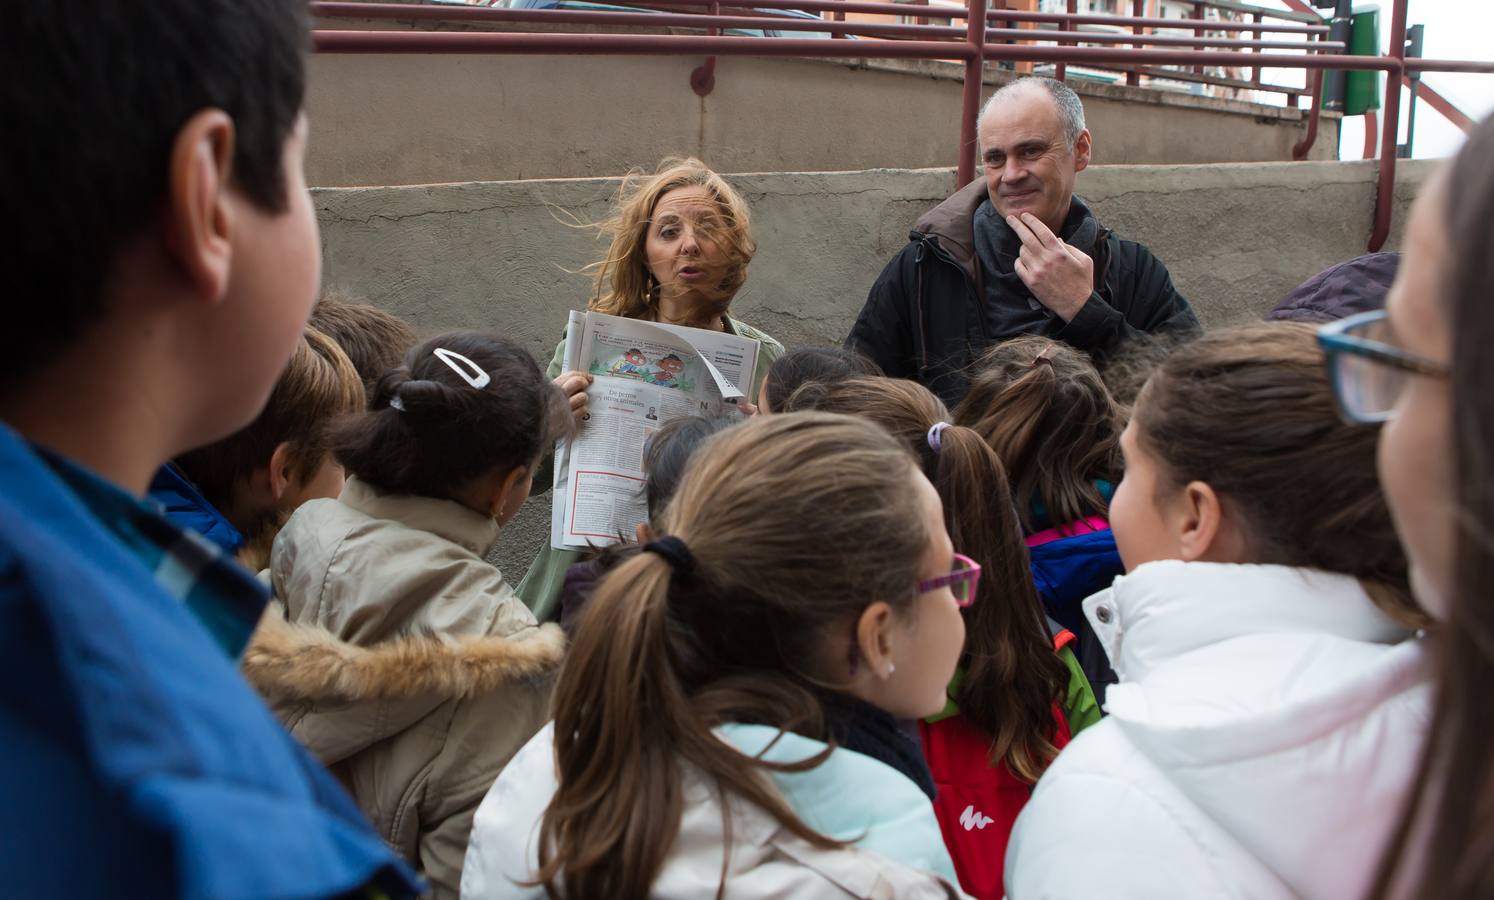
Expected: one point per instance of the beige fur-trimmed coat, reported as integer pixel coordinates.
(404, 662)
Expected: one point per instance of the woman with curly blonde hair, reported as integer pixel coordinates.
(681, 244)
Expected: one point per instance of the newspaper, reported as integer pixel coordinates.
(646, 374)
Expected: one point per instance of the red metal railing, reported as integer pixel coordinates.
(969, 45)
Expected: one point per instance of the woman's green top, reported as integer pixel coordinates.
(540, 589)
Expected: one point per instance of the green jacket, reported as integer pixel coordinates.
(540, 589)
(1079, 706)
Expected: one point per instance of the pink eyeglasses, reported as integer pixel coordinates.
(962, 582)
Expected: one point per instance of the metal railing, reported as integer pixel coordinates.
(964, 43)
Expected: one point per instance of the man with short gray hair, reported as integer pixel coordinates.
(1014, 253)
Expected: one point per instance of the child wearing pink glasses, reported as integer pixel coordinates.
(1019, 695)
(727, 720)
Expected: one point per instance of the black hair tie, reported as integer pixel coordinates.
(674, 552)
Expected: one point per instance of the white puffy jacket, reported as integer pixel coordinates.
(1261, 742)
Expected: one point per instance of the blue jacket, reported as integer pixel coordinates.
(138, 764)
(183, 504)
(1066, 570)
(1072, 568)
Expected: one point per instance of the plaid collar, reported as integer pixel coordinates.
(224, 596)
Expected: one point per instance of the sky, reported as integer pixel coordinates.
(1455, 29)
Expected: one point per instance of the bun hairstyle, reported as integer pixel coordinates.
(791, 526)
(1250, 412)
(1012, 676)
(797, 368)
(430, 432)
(1041, 405)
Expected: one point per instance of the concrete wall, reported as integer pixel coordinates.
(499, 256)
(379, 120)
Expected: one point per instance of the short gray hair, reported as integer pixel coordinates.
(1070, 110)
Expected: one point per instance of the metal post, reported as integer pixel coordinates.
(1198, 13)
(975, 35)
(1335, 81)
(1061, 70)
(1385, 190)
(1300, 151)
(1138, 9)
(1255, 72)
(1413, 77)
(703, 77)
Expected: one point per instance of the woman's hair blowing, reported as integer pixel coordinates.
(1249, 411)
(795, 524)
(1012, 675)
(624, 284)
(1043, 408)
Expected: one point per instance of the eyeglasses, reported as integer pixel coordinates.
(1369, 373)
(961, 582)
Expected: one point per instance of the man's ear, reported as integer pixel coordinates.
(1202, 518)
(198, 225)
(1083, 147)
(282, 471)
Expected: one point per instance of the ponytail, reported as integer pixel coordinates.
(670, 649)
(618, 708)
(1043, 408)
(430, 431)
(1012, 675)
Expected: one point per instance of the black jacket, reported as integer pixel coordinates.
(925, 318)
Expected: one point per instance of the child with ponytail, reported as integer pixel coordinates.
(1270, 711)
(1019, 695)
(727, 719)
(1041, 405)
(417, 727)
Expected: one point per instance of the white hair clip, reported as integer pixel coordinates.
(473, 374)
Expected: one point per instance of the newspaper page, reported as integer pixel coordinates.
(646, 374)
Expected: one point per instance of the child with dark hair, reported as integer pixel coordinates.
(441, 461)
(376, 341)
(664, 460)
(798, 367)
(1042, 406)
(236, 491)
(168, 264)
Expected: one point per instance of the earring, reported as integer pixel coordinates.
(890, 669)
